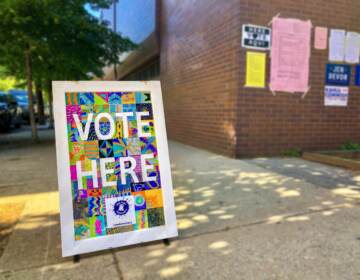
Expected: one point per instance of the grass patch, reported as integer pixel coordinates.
(293, 152)
(350, 146)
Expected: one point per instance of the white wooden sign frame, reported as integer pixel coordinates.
(70, 246)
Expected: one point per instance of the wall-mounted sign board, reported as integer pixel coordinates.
(113, 165)
(336, 96)
(357, 75)
(256, 37)
(338, 74)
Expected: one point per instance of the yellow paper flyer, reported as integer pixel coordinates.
(255, 69)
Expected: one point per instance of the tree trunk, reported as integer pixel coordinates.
(28, 70)
(40, 101)
(115, 72)
(50, 98)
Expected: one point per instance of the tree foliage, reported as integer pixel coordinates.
(46, 40)
(65, 41)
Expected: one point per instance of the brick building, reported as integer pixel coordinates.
(194, 48)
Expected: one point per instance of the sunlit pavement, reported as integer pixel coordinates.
(239, 219)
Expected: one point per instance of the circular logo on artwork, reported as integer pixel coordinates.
(121, 207)
(139, 200)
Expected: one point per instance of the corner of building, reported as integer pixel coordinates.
(199, 72)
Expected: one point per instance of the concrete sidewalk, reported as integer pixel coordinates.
(240, 219)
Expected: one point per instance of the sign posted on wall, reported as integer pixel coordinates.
(338, 74)
(290, 55)
(357, 75)
(337, 45)
(352, 47)
(113, 165)
(321, 38)
(336, 96)
(255, 69)
(256, 37)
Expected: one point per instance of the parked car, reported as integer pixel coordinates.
(23, 101)
(10, 112)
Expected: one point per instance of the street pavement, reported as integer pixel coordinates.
(266, 218)
(22, 135)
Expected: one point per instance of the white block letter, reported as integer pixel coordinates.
(124, 116)
(141, 124)
(83, 133)
(80, 174)
(97, 126)
(145, 167)
(130, 170)
(104, 172)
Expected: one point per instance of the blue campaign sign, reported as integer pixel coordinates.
(338, 74)
(357, 75)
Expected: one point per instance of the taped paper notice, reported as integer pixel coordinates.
(352, 47)
(290, 54)
(255, 69)
(336, 96)
(321, 38)
(337, 45)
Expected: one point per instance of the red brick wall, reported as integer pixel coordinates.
(199, 58)
(203, 73)
(270, 125)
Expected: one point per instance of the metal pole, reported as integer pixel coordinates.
(115, 30)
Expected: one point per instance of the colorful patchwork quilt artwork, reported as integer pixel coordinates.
(114, 167)
(114, 171)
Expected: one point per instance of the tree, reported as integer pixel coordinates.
(56, 40)
(40, 100)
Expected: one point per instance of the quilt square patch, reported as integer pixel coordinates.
(120, 211)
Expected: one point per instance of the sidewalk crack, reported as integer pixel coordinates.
(117, 266)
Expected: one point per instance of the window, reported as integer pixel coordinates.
(150, 71)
